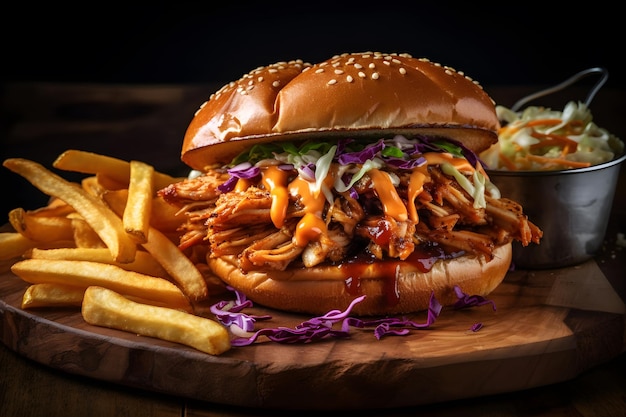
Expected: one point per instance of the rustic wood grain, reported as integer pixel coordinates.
(542, 333)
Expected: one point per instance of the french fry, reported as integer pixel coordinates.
(40, 228)
(93, 186)
(55, 208)
(165, 216)
(144, 262)
(102, 220)
(179, 266)
(84, 236)
(136, 216)
(108, 183)
(13, 245)
(106, 308)
(52, 295)
(176, 263)
(114, 168)
(86, 273)
(60, 295)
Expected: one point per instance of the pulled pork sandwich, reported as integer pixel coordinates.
(354, 176)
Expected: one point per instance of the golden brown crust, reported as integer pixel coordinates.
(363, 93)
(321, 289)
(242, 108)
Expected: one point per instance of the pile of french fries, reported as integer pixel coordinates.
(105, 246)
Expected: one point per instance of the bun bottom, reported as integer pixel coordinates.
(319, 290)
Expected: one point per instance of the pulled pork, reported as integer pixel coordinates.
(239, 222)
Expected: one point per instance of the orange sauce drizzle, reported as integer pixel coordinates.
(388, 195)
(275, 180)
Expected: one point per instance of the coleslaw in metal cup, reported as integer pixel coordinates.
(571, 206)
(563, 169)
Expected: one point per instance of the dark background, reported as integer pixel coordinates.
(503, 43)
(513, 43)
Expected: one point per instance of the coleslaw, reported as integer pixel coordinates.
(541, 139)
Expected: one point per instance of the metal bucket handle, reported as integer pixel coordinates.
(573, 79)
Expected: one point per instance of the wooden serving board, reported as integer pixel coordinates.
(549, 327)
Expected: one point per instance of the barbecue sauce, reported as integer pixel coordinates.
(422, 259)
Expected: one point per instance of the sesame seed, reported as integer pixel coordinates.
(396, 61)
(260, 79)
(273, 71)
(338, 71)
(361, 74)
(319, 70)
(402, 70)
(331, 82)
(375, 76)
(387, 63)
(276, 84)
(358, 66)
(449, 72)
(372, 65)
(349, 78)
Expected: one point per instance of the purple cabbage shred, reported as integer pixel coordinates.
(465, 300)
(476, 327)
(359, 157)
(230, 313)
(244, 170)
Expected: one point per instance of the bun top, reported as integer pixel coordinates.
(359, 94)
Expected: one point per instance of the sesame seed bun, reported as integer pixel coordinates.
(360, 93)
(274, 238)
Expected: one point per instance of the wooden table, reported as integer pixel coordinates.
(147, 122)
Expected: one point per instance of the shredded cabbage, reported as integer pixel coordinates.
(354, 158)
(231, 315)
(465, 300)
(477, 189)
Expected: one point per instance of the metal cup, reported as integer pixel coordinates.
(572, 207)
